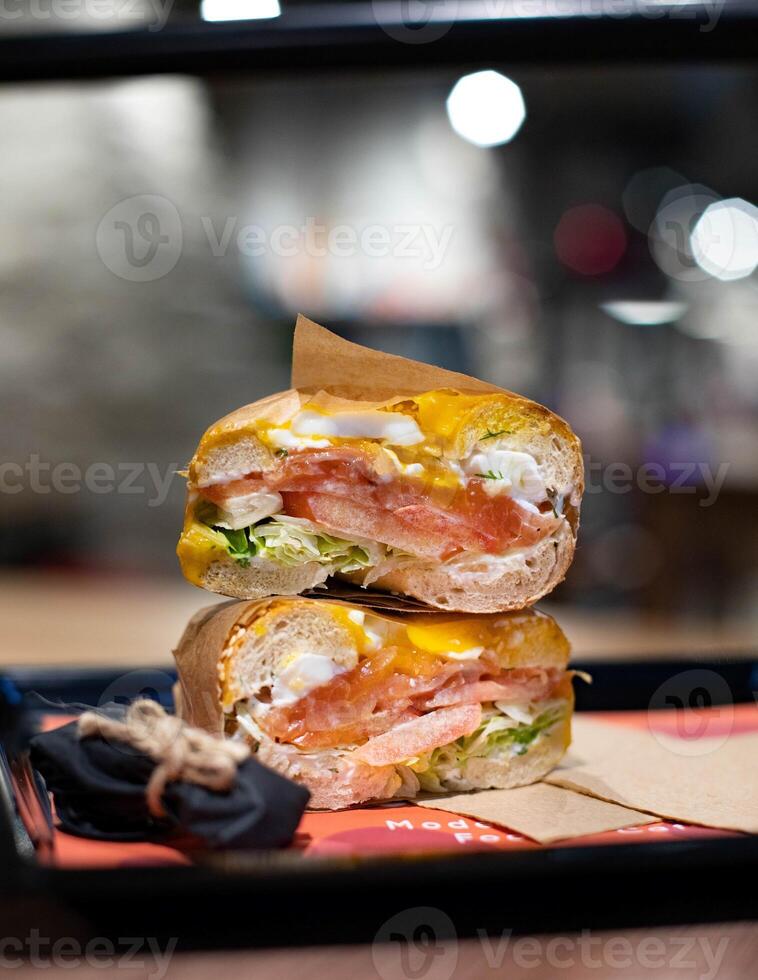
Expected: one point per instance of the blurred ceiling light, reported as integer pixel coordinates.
(590, 239)
(218, 10)
(486, 108)
(644, 313)
(724, 242)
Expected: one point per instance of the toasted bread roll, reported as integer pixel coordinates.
(468, 501)
(360, 705)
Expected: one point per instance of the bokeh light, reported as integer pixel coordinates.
(590, 239)
(724, 242)
(221, 10)
(645, 313)
(486, 108)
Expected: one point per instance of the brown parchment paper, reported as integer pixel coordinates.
(542, 812)
(322, 360)
(197, 658)
(659, 774)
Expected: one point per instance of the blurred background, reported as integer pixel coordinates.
(586, 235)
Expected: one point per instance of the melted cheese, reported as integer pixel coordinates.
(441, 413)
(197, 549)
(458, 639)
(409, 438)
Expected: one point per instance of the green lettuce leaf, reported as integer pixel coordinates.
(290, 541)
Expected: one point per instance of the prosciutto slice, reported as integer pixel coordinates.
(515, 686)
(375, 698)
(420, 735)
(348, 491)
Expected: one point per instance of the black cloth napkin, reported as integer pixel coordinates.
(99, 791)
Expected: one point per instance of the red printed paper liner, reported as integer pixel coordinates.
(406, 829)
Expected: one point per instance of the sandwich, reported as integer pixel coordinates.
(360, 704)
(466, 500)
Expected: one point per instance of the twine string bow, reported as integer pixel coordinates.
(180, 752)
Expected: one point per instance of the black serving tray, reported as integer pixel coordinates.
(238, 900)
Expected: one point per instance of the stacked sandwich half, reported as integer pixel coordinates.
(422, 512)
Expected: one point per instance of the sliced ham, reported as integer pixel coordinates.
(347, 490)
(524, 685)
(419, 736)
(375, 724)
(375, 697)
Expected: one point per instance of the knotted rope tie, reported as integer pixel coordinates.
(179, 751)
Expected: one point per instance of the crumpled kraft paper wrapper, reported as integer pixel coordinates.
(197, 692)
(661, 775)
(323, 361)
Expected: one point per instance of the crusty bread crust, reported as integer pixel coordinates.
(521, 583)
(262, 578)
(524, 580)
(285, 629)
(230, 446)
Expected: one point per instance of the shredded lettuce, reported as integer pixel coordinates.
(497, 735)
(290, 541)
